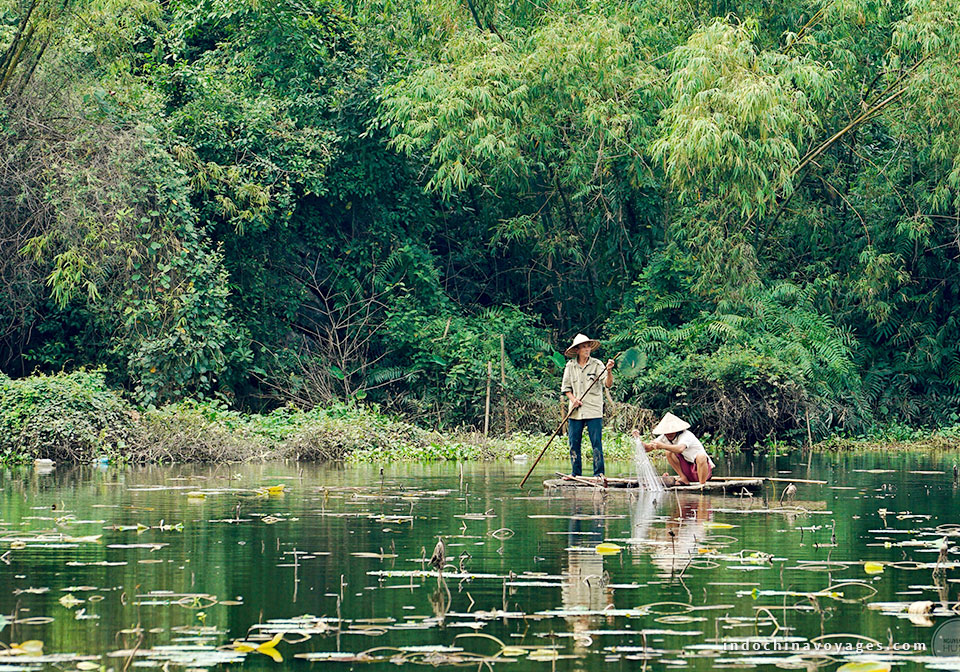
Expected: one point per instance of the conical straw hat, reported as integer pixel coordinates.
(670, 424)
(579, 340)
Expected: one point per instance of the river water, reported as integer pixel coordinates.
(168, 567)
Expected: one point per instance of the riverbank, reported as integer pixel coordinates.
(76, 417)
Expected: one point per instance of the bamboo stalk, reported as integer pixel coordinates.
(871, 111)
(768, 478)
(503, 385)
(15, 44)
(486, 412)
(15, 59)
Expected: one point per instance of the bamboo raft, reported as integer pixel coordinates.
(728, 485)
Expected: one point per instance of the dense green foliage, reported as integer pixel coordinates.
(64, 417)
(319, 201)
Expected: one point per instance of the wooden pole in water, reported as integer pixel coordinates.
(486, 413)
(585, 481)
(796, 480)
(503, 385)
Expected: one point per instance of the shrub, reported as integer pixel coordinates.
(191, 431)
(748, 369)
(362, 434)
(72, 417)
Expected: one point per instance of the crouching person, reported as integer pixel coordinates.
(684, 451)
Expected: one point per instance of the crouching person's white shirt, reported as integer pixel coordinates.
(692, 446)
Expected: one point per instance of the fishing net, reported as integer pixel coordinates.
(647, 477)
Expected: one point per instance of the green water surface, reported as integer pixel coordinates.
(123, 568)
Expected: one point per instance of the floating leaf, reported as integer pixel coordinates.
(266, 648)
(69, 601)
(607, 548)
(871, 567)
(865, 666)
(31, 647)
(543, 654)
(710, 525)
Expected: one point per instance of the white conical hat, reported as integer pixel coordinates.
(579, 340)
(670, 424)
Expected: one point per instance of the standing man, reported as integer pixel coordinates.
(578, 374)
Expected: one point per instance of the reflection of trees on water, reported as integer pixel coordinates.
(586, 583)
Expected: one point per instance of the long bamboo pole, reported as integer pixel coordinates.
(15, 46)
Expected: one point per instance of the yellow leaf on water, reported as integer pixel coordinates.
(275, 489)
(543, 654)
(710, 525)
(31, 647)
(272, 643)
(607, 548)
(273, 653)
(865, 666)
(266, 648)
(69, 601)
(871, 567)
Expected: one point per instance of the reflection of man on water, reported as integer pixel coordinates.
(642, 513)
(585, 581)
(677, 544)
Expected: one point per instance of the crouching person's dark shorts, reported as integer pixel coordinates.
(689, 470)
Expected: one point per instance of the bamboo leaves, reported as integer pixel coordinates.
(737, 118)
(552, 109)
